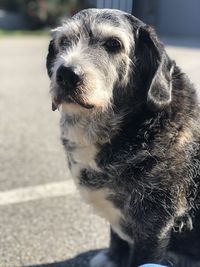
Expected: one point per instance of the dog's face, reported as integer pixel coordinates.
(101, 56)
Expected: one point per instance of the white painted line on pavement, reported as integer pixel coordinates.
(37, 192)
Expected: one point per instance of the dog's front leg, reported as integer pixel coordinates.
(149, 250)
(117, 255)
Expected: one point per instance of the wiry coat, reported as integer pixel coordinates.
(134, 150)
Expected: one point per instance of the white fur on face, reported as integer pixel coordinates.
(101, 69)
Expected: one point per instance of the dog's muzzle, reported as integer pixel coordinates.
(69, 81)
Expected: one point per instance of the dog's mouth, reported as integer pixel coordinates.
(70, 99)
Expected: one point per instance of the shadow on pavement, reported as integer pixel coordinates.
(81, 260)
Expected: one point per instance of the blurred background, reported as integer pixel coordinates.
(43, 221)
(173, 17)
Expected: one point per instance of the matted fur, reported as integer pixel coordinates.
(131, 130)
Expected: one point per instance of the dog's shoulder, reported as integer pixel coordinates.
(161, 147)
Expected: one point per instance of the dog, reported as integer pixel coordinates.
(130, 124)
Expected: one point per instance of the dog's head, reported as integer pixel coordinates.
(102, 58)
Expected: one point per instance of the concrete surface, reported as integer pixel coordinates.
(38, 228)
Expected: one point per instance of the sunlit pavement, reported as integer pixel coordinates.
(43, 222)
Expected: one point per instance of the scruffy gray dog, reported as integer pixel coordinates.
(130, 126)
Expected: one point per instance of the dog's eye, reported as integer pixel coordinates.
(64, 42)
(113, 45)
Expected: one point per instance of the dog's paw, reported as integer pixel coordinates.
(102, 260)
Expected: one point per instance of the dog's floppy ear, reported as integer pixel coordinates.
(49, 64)
(52, 50)
(155, 66)
(50, 57)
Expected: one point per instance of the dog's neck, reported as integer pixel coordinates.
(90, 128)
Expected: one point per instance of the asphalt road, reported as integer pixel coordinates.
(43, 222)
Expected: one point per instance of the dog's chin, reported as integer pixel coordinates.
(79, 101)
(68, 100)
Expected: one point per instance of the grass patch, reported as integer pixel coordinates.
(23, 33)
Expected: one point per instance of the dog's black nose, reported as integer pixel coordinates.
(67, 78)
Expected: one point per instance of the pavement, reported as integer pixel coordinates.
(43, 221)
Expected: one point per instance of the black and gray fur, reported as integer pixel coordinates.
(130, 123)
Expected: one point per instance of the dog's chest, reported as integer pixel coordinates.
(81, 155)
